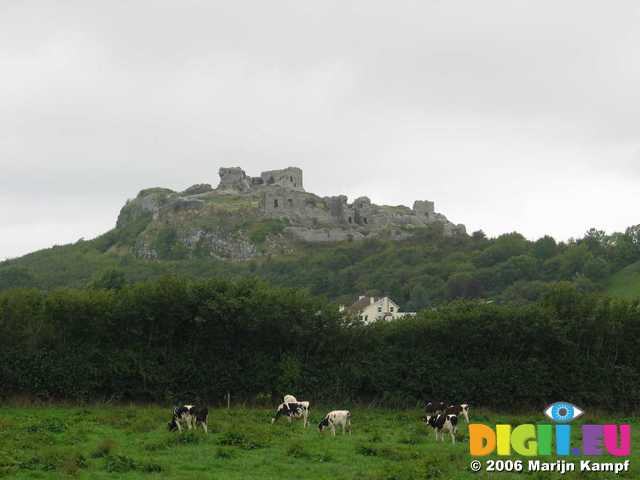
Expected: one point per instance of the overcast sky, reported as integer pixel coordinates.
(510, 115)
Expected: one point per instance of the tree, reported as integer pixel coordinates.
(478, 235)
(16, 277)
(463, 285)
(111, 279)
(595, 240)
(596, 269)
(545, 247)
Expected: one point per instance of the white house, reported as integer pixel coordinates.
(372, 309)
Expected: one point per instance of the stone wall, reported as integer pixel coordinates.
(290, 177)
(234, 179)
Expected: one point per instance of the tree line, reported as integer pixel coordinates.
(172, 339)
(427, 270)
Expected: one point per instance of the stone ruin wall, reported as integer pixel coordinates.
(235, 179)
(282, 195)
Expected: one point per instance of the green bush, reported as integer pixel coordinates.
(252, 339)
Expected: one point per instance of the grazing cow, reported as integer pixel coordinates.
(443, 423)
(463, 409)
(289, 399)
(336, 418)
(191, 416)
(292, 411)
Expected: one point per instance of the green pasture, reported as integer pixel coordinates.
(132, 442)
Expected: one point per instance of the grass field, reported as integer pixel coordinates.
(133, 442)
(625, 283)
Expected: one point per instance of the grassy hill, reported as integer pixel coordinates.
(625, 283)
(426, 269)
(203, 232)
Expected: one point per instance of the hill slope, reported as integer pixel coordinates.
(270, 227)
(625, 283)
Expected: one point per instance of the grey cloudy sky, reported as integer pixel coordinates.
(511, 115)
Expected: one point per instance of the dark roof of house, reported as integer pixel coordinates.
(359, 305)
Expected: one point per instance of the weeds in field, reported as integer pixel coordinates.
(104, 448)
(50, 425)
(190, 437)
(238, 439)
(297, 450)
(120, 464)
(223, 453)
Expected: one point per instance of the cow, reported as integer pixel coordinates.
(293, 411)
(434, 407)
(443, 423)
(191, 416)
(463, 409)
(336, 418)
(289, 399)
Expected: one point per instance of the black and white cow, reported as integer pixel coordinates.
(293, 411)
(442, 423)
(190, 416)
(462, 409)
(289, 399)
(431, 407)
(334, 419)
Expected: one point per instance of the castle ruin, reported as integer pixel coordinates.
(314, 218)
(244, 216)
(235, 179)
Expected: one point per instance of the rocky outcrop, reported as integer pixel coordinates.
(198, 189)
(246, 216)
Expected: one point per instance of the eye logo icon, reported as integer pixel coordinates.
(563, 412)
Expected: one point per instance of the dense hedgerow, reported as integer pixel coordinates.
(171, 340)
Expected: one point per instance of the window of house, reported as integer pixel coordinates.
(366, 318)
(379, 309)
(350, 220)
(275, 203)
(291, 178)
(364, 219)
(290, 202)
(391, 309)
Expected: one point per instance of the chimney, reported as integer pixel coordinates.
(372, 300)
(360, 297)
